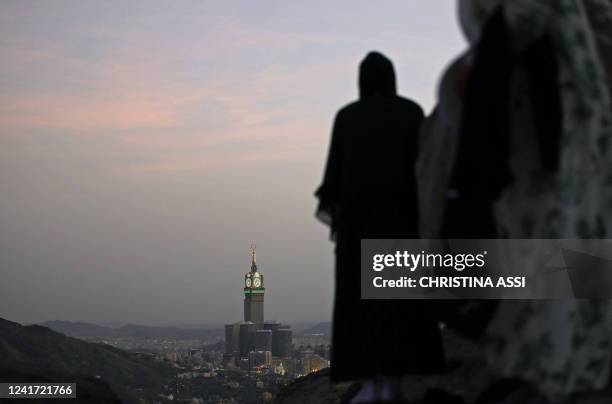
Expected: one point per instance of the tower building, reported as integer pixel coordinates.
(247, 333)
(262, 340)
(254, 293)
(252, 343)
(232, 338)
(282, 342)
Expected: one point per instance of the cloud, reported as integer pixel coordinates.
(169, 123)
(178, 90)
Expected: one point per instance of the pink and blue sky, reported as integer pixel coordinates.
(145, 144)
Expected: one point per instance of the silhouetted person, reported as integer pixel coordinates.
(369, 191)
(504, 156)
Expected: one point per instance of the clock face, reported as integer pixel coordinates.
(257, 282)
(248, 282)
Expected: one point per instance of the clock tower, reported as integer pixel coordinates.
(254, 293)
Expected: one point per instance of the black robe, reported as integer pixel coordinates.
(369, 191)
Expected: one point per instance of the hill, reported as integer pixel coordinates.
(39, 353)
(87, 330)
(80, 330)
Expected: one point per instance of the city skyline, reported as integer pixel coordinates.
(145, 145)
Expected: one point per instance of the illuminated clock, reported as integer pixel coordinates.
(248, 282)
(257, 282)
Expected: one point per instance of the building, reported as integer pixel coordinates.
(271, 325)
(254, 335)
(282, 339)
(262, 340)
(247, 331)
(316, 363)
(243, 364)
(259, 359)
(309, 362)
(304, 364)
(232, 338)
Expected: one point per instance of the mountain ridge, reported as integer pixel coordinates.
(40, 353)
(85, 330)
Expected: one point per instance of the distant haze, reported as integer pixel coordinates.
(144, 145)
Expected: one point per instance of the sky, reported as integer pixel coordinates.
(145, 145)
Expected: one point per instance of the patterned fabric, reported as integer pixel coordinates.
(600, 16)
(563, 346)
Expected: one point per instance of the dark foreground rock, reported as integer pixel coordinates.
(467, 376)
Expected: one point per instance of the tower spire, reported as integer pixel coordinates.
(253, 258)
